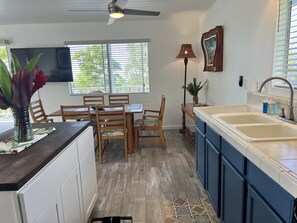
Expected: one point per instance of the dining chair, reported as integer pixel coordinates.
(79, 113)
(152, 120)
(37, 112)
(93, 99)
(111, 124)
(118, 99)
(75, 113)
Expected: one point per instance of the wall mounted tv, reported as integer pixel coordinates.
(55, 61)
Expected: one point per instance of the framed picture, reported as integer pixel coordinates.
(212, 46)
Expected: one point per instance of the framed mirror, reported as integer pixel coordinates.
(212, 46)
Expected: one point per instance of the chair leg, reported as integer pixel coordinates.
(136, 137)
(100, 150)
(162, 138)
(126, 150)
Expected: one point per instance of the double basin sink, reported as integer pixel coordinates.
(257, 127)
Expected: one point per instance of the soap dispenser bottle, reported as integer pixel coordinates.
(271, 106)
(265, 106)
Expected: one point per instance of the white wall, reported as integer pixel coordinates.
(166, 71)
(248, 50)
(249, 28)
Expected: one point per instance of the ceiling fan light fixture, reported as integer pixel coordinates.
(116, 15)
(114, 11)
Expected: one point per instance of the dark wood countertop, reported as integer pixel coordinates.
(16, 170)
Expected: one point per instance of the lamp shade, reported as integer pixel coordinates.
(186, 51)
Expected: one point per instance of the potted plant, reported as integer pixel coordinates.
(193, 88)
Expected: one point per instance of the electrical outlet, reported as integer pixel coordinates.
(257, 85)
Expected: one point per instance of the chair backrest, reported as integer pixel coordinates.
(110, 118)
(162, 108)
(75, 112)
(37, 112)
(93, 99)
(118, 99)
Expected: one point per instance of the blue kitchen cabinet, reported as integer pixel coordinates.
(200, 156)
(213, 162)
(200, 150)
(233, 184)
(264, 193)
(232, 194)
(238, 190)
(258, 211)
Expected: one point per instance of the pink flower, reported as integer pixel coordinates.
(18, 87)
(39, 80)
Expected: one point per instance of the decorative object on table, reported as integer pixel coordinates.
(16, 90)
(186, 52)
(212, 46)
(10, 146)
(193, 88)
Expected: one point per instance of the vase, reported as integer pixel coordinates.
(22, 127)
(195, 101)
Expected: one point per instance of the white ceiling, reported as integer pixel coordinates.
(56, 11)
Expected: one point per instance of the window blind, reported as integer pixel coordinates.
(285, 54)
(116, 67)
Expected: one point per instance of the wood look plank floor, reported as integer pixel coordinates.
(137, 188)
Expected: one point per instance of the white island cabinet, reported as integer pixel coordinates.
(64, 191)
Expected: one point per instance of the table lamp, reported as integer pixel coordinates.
(186, 52)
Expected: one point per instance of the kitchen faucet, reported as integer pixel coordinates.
(291, 115)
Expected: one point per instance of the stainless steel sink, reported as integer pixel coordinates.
(244, 118)
(256, 127)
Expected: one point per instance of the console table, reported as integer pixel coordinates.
(187, 109)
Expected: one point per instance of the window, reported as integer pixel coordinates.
(5, 115)
(285, 55)
(109, 67)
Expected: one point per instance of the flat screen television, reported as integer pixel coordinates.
(55, 61)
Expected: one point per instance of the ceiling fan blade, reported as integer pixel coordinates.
(121, 3)
(140, 12)
(110, 20)
(87, 10)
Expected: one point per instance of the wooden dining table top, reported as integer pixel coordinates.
(129, 108)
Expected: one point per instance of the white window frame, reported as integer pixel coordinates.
(285, 58)
(109, 84)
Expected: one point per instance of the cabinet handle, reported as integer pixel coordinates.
(294, 212)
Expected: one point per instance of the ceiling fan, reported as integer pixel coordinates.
(116, 10)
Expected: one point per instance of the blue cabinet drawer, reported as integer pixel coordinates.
(234, 157)
(274, 195)
(200, 124)
(213, 137)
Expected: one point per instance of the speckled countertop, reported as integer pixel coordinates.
(278, 159)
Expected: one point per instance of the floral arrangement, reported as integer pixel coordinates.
(18, 86)
(194, 88)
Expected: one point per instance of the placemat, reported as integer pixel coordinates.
(9, 146)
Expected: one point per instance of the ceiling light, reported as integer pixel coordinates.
(116, 15)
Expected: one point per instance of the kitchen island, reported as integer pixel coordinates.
(54, 180)
(246, 181)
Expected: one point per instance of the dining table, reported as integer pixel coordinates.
(130, 110)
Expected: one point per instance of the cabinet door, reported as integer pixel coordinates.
(71, 198)
(52, 213)
(213, 175)
(200, 156)
(258, 211)
(88, 183)
(232, 194)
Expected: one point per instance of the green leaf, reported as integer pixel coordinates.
(32, 63)
(15, 64)
(5, 81)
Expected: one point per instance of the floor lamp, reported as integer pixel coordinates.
(186, 52)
